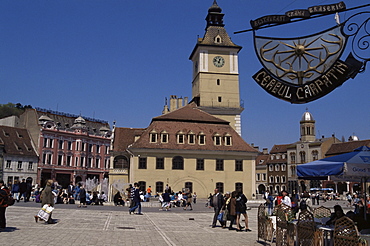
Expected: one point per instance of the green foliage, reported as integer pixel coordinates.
(10, 109)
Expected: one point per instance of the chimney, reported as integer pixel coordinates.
(265, 151)
(173, 103)
(179, 102)
(186, 101)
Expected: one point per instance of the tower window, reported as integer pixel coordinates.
(218, 39)
(218, 82)
(219, 99)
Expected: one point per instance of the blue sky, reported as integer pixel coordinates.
(119, 59)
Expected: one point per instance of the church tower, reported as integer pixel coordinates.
(215, 80)
(307, 125)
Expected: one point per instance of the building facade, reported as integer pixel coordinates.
(18, 157)
(307, 149)
(73, 154)
(189, 148)
(70, 148)
(277, 170)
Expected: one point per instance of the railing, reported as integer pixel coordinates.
(69, 115)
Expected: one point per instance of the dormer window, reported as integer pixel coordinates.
(19, 135)
(191, 137)
(227, 139)
(164, 137)
(218, 39)
(180, 137)
(6, 134)
(217, 139)
(153, 136)
(202, 138)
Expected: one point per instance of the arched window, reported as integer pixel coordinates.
(292, 158)
(120, 162)
(302, 155)
(178, 163)
(315, 155)
(283, 167)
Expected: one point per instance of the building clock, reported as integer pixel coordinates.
(218, 61)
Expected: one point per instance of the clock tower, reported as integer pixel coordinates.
(215, 80)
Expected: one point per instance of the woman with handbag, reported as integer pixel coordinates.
(47, 197)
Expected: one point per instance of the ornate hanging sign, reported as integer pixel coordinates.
(303, 69)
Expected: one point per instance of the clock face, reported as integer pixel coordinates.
(218, 61)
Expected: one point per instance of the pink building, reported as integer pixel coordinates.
(72, 154)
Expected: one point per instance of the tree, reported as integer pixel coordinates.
(10, 109)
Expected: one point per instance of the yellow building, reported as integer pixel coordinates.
(197, 145)
(189, 148)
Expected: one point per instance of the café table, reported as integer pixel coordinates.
(327, 233)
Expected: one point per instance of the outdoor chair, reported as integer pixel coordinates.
(282, 211)
(345, 232)
(265, 226)
(321, 212)
(305, 229)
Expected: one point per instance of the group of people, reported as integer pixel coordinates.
(180, 199)
(231, 207)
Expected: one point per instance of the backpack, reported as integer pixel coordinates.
(7, 199)
(303, 204)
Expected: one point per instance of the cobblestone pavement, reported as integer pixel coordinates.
(93, 226)
(110, 225)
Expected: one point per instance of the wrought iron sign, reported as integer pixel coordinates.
(303, 69)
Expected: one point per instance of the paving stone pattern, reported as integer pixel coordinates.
(84, 226)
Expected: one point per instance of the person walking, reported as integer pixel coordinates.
(15, 190)
(47, 197)
(241, 209)
(217, 202)
(137, 200)
(166, 200)
(82, 196)
(269, 202)
(23, 191)
(189, 200)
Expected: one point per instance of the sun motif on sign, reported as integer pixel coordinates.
(300, 60)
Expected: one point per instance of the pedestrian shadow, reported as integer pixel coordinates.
(9, 229)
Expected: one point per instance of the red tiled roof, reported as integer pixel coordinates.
(340, 148)
(190, 113)
(261, 160)
(16, 141)
(191, 119)
(123, 137)
(279, 148)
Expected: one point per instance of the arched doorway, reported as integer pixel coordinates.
(261, 189)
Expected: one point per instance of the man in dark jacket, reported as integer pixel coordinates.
(136, 199)
(217, 202)
(23, 190)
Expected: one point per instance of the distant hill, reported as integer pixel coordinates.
(10, 109)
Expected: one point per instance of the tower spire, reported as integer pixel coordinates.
(215, 17)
